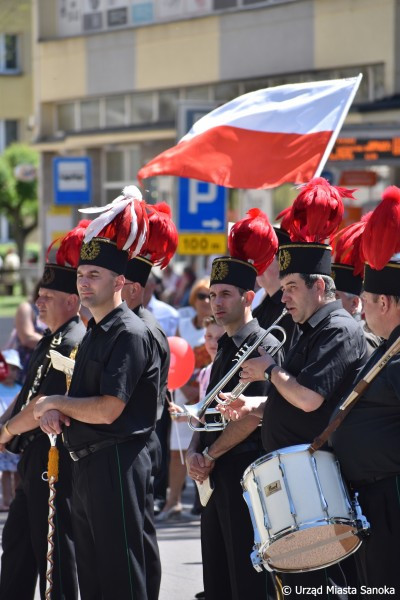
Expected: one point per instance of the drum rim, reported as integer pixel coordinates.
(277, 453)
(310, 524)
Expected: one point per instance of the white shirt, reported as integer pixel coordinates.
(166, 315)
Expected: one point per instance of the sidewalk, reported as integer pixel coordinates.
(179, 544)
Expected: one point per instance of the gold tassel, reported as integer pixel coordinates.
(52, 466)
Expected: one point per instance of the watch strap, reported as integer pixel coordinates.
(268, 371)
(208, 456)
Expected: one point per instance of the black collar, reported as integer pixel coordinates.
(240, 336)
(48, 332)
(393, 336)
(320, 315)
(108, 321)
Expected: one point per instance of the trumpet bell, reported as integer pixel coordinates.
(194, 410)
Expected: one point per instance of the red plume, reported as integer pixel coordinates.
(317, 211)
(163, 236)
(347, 245)
(381, 238)
(284, 217)
(253, 239)
(70, 247)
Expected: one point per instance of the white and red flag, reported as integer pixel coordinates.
(262, 139)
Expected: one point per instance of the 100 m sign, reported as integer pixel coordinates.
(202, 243)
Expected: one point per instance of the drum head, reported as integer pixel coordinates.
(312, 548)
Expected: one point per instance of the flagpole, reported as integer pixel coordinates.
(334, 135)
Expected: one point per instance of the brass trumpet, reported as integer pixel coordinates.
(201, 409)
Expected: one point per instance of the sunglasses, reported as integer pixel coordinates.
(203, 296)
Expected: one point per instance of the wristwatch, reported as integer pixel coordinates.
(268, 371)
(208, 456)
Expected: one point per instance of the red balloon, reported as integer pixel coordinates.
(182, 362)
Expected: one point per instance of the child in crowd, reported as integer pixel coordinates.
(9, 389)
(212, 334)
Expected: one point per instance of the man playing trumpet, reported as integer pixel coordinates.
(321, 366)
(225, 523)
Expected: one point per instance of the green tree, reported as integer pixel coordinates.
(18, 191)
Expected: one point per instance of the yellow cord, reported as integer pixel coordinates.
(52, 466)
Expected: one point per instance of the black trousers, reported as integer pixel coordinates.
(378, 557)
(111, 488)
(227, 536)
(152, 555)
(25, 531)
(163, 427)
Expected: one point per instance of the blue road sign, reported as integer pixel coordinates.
(202, 207)
(72, 180)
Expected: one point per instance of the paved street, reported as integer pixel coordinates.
(179, 545)
(179, 541)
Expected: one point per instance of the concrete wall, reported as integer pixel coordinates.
(355, 32)
(177, 54)
(267, 41)
(16, 93)
(301, 36)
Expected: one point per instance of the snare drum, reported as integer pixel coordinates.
(301, 512)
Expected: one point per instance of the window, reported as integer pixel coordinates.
(122, 164)
(66, 117)
(142, 108)
(115, 166)
(200, 92)
(115, 111)
(226, 91)
(8, 53)
(90, 114)
(168, 101)
(8, 133)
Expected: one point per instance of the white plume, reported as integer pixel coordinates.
(129, 191)
(134, 228)
(105, 218)
(141, 241)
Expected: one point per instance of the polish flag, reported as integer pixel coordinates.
(262, 139)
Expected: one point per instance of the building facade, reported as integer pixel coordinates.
(112, 76)
(16, 81)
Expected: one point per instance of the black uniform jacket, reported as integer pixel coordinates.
(48, 380)
(367, 443)
(325, 359)
(223, 363)
(118, 358)
(267, 313)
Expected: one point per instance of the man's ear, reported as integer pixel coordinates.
(320, 285)
(384, 303)
(119, 282)
(249, 297)
(73, 302)
(355, 303)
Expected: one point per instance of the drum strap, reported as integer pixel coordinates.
(354, 395)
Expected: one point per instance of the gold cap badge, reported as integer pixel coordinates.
(91, 250)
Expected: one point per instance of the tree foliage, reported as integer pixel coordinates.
(18, 199)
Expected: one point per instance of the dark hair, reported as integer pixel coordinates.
(330, 288)
(395, 299)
